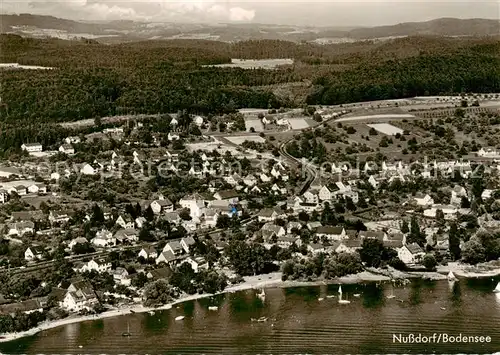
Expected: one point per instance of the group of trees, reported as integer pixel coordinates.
(205, 281)
(20, 321)
(322, 265)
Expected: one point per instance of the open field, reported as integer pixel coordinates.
(255, 64)
(386, 128)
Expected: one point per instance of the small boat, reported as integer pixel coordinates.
(357, 295)
(497, 289)
(179, 318)
(80, 346)
(341, 301)
(391, 296)
(132, 311)
(320, 299)
(262, 295)
(152, 313)
(127, 333)
(213, 308)
(262, 319)
(444, 309)
(451, 277)
(330, 296)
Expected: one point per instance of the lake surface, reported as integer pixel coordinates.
(298, 323)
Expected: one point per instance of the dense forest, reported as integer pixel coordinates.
(94, 80)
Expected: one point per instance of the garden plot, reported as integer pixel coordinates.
(386, 128)
(256, 124)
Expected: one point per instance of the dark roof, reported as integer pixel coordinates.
(329, 230)
(393, 243)
(225, 194)
(162, 273)
(414, 248)
(372, 235)
(165, 202)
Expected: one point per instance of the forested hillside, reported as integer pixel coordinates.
(94, 80)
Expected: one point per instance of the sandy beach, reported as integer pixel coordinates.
(272, 280)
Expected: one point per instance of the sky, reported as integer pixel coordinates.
(291, 12)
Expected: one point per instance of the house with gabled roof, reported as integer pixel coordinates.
(187, 243)
(331, 232)
(411, 253)
(162, 206)
(148, 252)
(80, 296)
(125, 221)
(174, 246)
(34, 253)
(128, 235)
(166, 257)
(21, 228)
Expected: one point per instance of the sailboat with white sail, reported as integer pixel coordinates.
(451, 277)
(497, 289)
(342, 301)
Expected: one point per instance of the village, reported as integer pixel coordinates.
(143, 212)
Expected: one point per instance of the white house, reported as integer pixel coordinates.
(324, 194)
(332, 233)
(72, 139)
(311, 196)
(426, 200)
(187, 243)
(121, 276)
(210, 217)
(411, 253)
(104, 238)
(4, 196)
(195, 203)
(33, 253)
(488, 152)
(21, 228)
(80, 296)
(267, 215)
(100, 265)
(175, 247)
(148, 252)
(197, 264)
(67, 149)
(125, 221)
(88, 169)
(58, 217)
(162, 206)
(32, 147)
(129, 235)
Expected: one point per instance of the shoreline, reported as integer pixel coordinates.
(272, 280)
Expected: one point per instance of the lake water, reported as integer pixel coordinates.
(298, 323)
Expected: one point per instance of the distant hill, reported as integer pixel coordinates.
(439, 27)
(28, 25)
